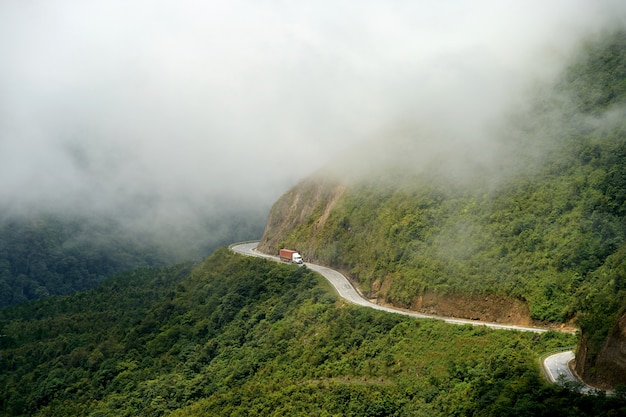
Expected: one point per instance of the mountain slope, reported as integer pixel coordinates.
(542, 231)
(245, 336)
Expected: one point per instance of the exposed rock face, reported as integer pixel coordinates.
(309, 201)
(608, 368)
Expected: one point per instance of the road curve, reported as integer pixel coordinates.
(347, 291)
(557, 367)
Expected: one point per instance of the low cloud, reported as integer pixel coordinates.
(178, 107)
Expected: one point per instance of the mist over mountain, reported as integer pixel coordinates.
(169, 111)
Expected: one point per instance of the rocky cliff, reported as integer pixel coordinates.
(607, 368)
(307, 205)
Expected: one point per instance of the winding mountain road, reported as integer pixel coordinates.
(556, 366)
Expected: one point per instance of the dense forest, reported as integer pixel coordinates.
(246, 336)
(48, 253)
(548, 231)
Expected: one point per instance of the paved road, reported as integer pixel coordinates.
(558, 369)
(347, 291)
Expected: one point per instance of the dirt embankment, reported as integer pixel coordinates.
(488, 308)
(492, 308)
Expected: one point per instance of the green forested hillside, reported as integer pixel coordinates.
(546, 227)
(246, 336)
(539, 236)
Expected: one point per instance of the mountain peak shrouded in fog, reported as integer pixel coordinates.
(171, 108)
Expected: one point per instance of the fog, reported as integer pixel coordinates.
(174, 111)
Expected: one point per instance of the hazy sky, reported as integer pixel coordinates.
(183, 102)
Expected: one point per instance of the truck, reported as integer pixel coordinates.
(289, 255)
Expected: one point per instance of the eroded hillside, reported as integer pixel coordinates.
(306, 207)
